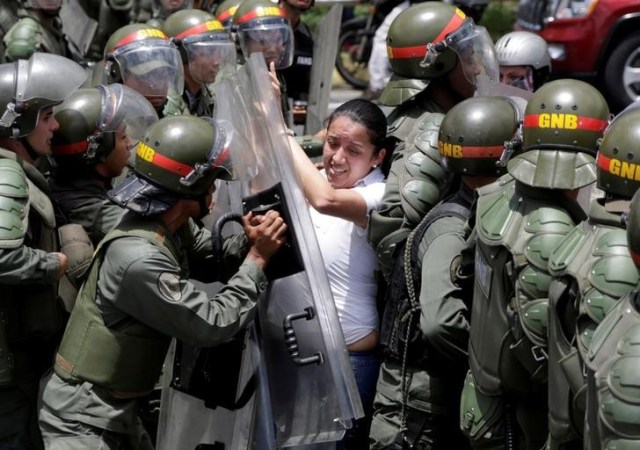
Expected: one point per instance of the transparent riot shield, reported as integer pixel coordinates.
(294, 384)
(325, 48)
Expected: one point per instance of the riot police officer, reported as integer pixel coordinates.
(524, 60)
(613, 410)
(592, 270)
(519, 223)
(137, 294)
(207, 51)
(98, 127)
(144, 59)
(30, 260)
(438, 55)
(38, 29)
(261, 26)
(426, 320)
(298, 75)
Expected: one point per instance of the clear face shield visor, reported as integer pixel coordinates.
(272, 37)
(210, 55)
(475, 50)
(219, 162)
(125, 111)
(152, 68)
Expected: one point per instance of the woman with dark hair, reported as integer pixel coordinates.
(341, 197)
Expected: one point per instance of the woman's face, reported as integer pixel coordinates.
(348, 154)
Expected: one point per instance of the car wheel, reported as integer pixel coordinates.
(622, 72)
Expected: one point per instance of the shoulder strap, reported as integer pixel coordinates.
(450, 208)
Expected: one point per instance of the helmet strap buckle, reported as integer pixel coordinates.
(10, 115)
(199, 171)
(510, 148)
(433, 51)
(94, 143)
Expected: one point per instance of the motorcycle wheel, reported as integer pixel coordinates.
(354, 50)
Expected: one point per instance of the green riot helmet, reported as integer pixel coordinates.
(90, 118)
(633, 229)
(204, 45)
(618, 160)
(164, 8)
(225, 12)
(427, 41)
(262, 27)
(28, 86)
(563, 123)
(477, 134)
(178, 157)
(523, 48)
(144, 59)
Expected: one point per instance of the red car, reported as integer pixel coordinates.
(594, 40)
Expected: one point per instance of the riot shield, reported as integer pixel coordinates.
(325, 48)
(295, 378)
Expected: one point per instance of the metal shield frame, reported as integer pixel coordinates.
(325, 49)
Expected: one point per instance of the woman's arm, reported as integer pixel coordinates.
(344, 203)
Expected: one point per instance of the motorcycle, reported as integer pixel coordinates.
(356, 41)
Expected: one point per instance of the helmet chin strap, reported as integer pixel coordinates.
(204, 208)
(30, 150)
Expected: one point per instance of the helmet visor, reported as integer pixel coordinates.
(124, 110)
(209, 55)
(474, 48)
(274, 38)
(152, 68)
(476, 51)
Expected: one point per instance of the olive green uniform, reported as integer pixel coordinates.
(437, 358)
(200, 105)
(136, 296)
(517, 228)
(30, 35)
(592, 270)
(613, 409)
(84, 201)
(32, 318)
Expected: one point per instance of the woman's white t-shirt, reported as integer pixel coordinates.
(351, 263)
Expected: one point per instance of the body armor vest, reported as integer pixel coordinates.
(400, 330)
(599, 270)
(517, 228)
(127, 360)
(613, 359)
(417, 182)
(30, 313)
